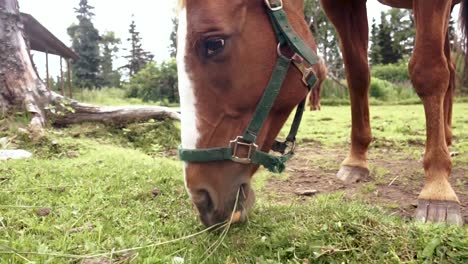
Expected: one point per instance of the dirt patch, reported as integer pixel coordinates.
(395, 180)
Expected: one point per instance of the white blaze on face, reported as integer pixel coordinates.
(189, 131)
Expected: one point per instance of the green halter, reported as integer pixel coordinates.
(286, 37)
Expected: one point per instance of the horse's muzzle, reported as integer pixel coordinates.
(234, 209)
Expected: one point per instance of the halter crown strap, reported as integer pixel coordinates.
(286, 36)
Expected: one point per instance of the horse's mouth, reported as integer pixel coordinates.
(246, 199)
(236, 213)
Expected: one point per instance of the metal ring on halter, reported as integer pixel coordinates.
(279, 5)
(280, 53)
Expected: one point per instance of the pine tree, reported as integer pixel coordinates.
(173, 38)
(85, 42)
(325, 37)
(138, 57)
(403, 32)
(375, 57)
(393, 39)
(109, 76)
(385, 42)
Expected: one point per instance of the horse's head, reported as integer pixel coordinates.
(226, 54)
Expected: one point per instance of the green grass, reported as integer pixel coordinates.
(99, 191)
(107, 96)
(113, 97)
(392, 126)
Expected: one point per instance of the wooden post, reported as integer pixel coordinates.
(69, 81)
(62, 84)
(47, 70)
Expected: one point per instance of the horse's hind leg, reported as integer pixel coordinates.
(314, 98)
(350, 21)
(430, 75)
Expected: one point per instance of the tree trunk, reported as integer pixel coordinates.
(21, 89)
(19, 84)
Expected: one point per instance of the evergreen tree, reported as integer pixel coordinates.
(169, 83)
(109, 76)
(403, 32)
(385, 42)
(85, 42)
(393, 39)
(138, 57)
(325, 36)
(375, 57)
(173, 38)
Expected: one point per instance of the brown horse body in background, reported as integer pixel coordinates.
(433, 76)
(226, 53)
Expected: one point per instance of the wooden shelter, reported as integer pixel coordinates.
(42, 40)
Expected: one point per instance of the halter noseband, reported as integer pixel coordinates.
(286, 37)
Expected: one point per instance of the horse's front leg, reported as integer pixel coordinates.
(448, 101)
(350, 21)
(430, 75)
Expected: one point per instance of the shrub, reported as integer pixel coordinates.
(331, 90)
(155, 83)
(391, 72)
(405, 91)
(382, 90)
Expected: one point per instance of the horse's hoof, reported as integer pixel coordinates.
(351, 174)
(439, 212)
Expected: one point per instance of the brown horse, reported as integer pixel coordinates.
(226, 54)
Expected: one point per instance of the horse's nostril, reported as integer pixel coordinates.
(204, 202)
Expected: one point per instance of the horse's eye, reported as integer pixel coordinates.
(213, 46)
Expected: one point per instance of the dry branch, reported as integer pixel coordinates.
(336, 80)
(114, 115)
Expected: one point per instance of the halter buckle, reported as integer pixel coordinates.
(300, 65)
(239, 142)
(277, 4)
(290, 145)
(284, 147)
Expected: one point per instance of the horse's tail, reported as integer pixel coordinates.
(464, 23)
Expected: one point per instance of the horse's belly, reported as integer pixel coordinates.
(408, 4)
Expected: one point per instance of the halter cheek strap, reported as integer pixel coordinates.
(246, 143)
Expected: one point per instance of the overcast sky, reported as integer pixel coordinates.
(153, 20)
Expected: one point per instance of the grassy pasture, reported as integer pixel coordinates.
(100, 195)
